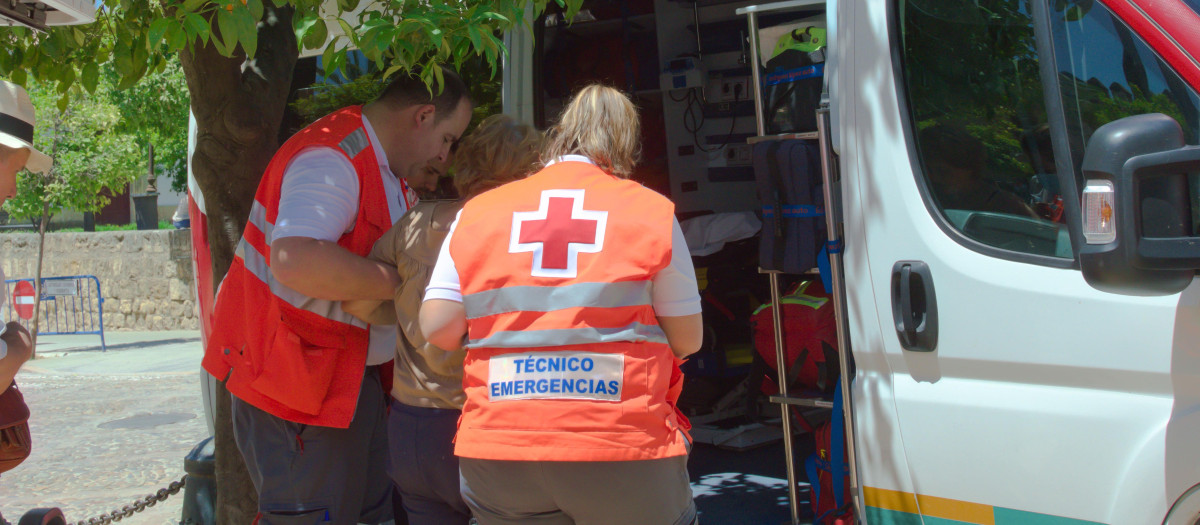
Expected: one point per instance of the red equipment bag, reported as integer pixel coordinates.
(827, 509)
(809, 339)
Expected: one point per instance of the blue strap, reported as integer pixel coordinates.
(814, 483)
(835, 246)
(837, 447)
(795, 211)
(791, 75)
(825, 270)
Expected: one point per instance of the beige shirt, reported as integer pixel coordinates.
(424, 375)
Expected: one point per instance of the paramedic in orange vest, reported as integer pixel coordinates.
(574, 294)
(307, 399)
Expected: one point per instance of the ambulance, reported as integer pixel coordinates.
(1015, 187)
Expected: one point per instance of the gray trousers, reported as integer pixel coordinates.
(308, 474)
(647, 492)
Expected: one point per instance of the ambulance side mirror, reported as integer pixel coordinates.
(1137, 210)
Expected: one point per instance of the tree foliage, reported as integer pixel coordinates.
(322, 100)
(88, 155)
(155, 113)
(137, 38)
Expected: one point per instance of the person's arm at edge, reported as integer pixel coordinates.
(324, 270)
(19, 351)
(318, 204)
(444, 323)
(386, 252)
(676, 299)
(443, 318)
(685, 333)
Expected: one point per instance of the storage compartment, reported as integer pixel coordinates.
(687, 66)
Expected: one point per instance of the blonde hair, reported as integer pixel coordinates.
(499, 151)
(601, 124)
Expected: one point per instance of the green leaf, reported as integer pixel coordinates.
(91, 75)
(491, 15)
(158, 29)
(302, 24)
(79, 40)
(256, 9)
(476, 42)
(247, 33)
(437, 72)
(67, 79)
(18, 76)
(316, 35)
(192, 6)
(328, 62)
(197, 27)
(63, 102)
(391, 71)
(348, 31)
(176, 37)
(347, 5)
(222, 47)
(228, 24)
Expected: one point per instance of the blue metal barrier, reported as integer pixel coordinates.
(70, 305)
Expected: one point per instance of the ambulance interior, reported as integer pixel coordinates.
(686, 64)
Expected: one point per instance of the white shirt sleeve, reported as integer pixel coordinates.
(673, 290)
(319, 197)
(443, 280)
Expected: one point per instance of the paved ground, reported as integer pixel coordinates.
(108, 427)
(111, 427)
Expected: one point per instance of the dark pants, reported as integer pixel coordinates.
(646, 492)
(423, 464)
(308, 474)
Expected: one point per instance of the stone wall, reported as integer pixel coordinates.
(145, 276)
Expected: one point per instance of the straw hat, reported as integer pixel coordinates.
(16, 125)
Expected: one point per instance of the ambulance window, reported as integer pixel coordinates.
(976, 105)
(1106, 72)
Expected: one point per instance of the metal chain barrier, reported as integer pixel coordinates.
(138, 505)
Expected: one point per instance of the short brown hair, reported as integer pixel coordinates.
(499, 151)
(407, 89)
(601, 124)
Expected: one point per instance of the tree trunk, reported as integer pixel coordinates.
(239, 105)
(37, 280)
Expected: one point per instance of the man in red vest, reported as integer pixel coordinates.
(308, 404)
(576, 293)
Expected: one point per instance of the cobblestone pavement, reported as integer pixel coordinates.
(102, 440)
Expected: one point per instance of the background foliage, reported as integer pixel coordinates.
(88, 154)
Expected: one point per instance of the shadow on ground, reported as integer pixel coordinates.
(748, 487)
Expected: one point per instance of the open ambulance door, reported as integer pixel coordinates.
(1040, 352)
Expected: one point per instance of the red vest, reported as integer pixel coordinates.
(565, 358)
(299, 358)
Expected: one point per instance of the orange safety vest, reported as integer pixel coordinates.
(565, 358)
(296, 357)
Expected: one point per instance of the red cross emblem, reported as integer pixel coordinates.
(557, 233)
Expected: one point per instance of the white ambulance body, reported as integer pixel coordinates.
(1052, 374)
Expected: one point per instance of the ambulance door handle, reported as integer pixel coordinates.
(914, 306)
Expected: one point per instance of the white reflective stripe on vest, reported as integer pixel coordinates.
(258, 217)
(354, 143)
(551, 298)
(257, 265)
(633, 332)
